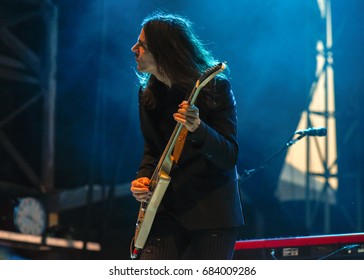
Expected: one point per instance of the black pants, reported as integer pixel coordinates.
(168, 240)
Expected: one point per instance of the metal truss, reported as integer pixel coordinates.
(29, 62)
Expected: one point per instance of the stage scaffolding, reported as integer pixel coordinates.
(310, 173)
(28, 45)
(327, 151)
(316, 182)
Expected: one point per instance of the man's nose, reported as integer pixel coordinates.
(134, 48)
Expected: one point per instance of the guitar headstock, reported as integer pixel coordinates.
(206, 77)
(210, 73)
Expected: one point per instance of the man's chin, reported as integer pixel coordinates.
(140, 68)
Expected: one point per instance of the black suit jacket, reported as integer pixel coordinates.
(203, 192)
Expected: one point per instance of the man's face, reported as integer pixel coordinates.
(144, 58)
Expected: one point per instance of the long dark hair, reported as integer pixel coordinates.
(179, 54)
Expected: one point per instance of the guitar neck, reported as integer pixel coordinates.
(165, 161)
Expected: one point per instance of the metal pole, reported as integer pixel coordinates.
(49, 91)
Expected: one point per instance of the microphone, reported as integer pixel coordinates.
(312, 131)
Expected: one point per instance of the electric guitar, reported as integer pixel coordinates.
(160, 178)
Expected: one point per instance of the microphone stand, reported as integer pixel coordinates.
(249, 173)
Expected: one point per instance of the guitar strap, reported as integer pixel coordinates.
(179, 145)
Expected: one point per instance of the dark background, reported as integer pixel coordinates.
(270, 49)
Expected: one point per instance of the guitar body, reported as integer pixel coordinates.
(147, 214)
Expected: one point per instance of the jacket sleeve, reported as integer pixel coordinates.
(216, 137)
(148, 163)
(150, 154)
